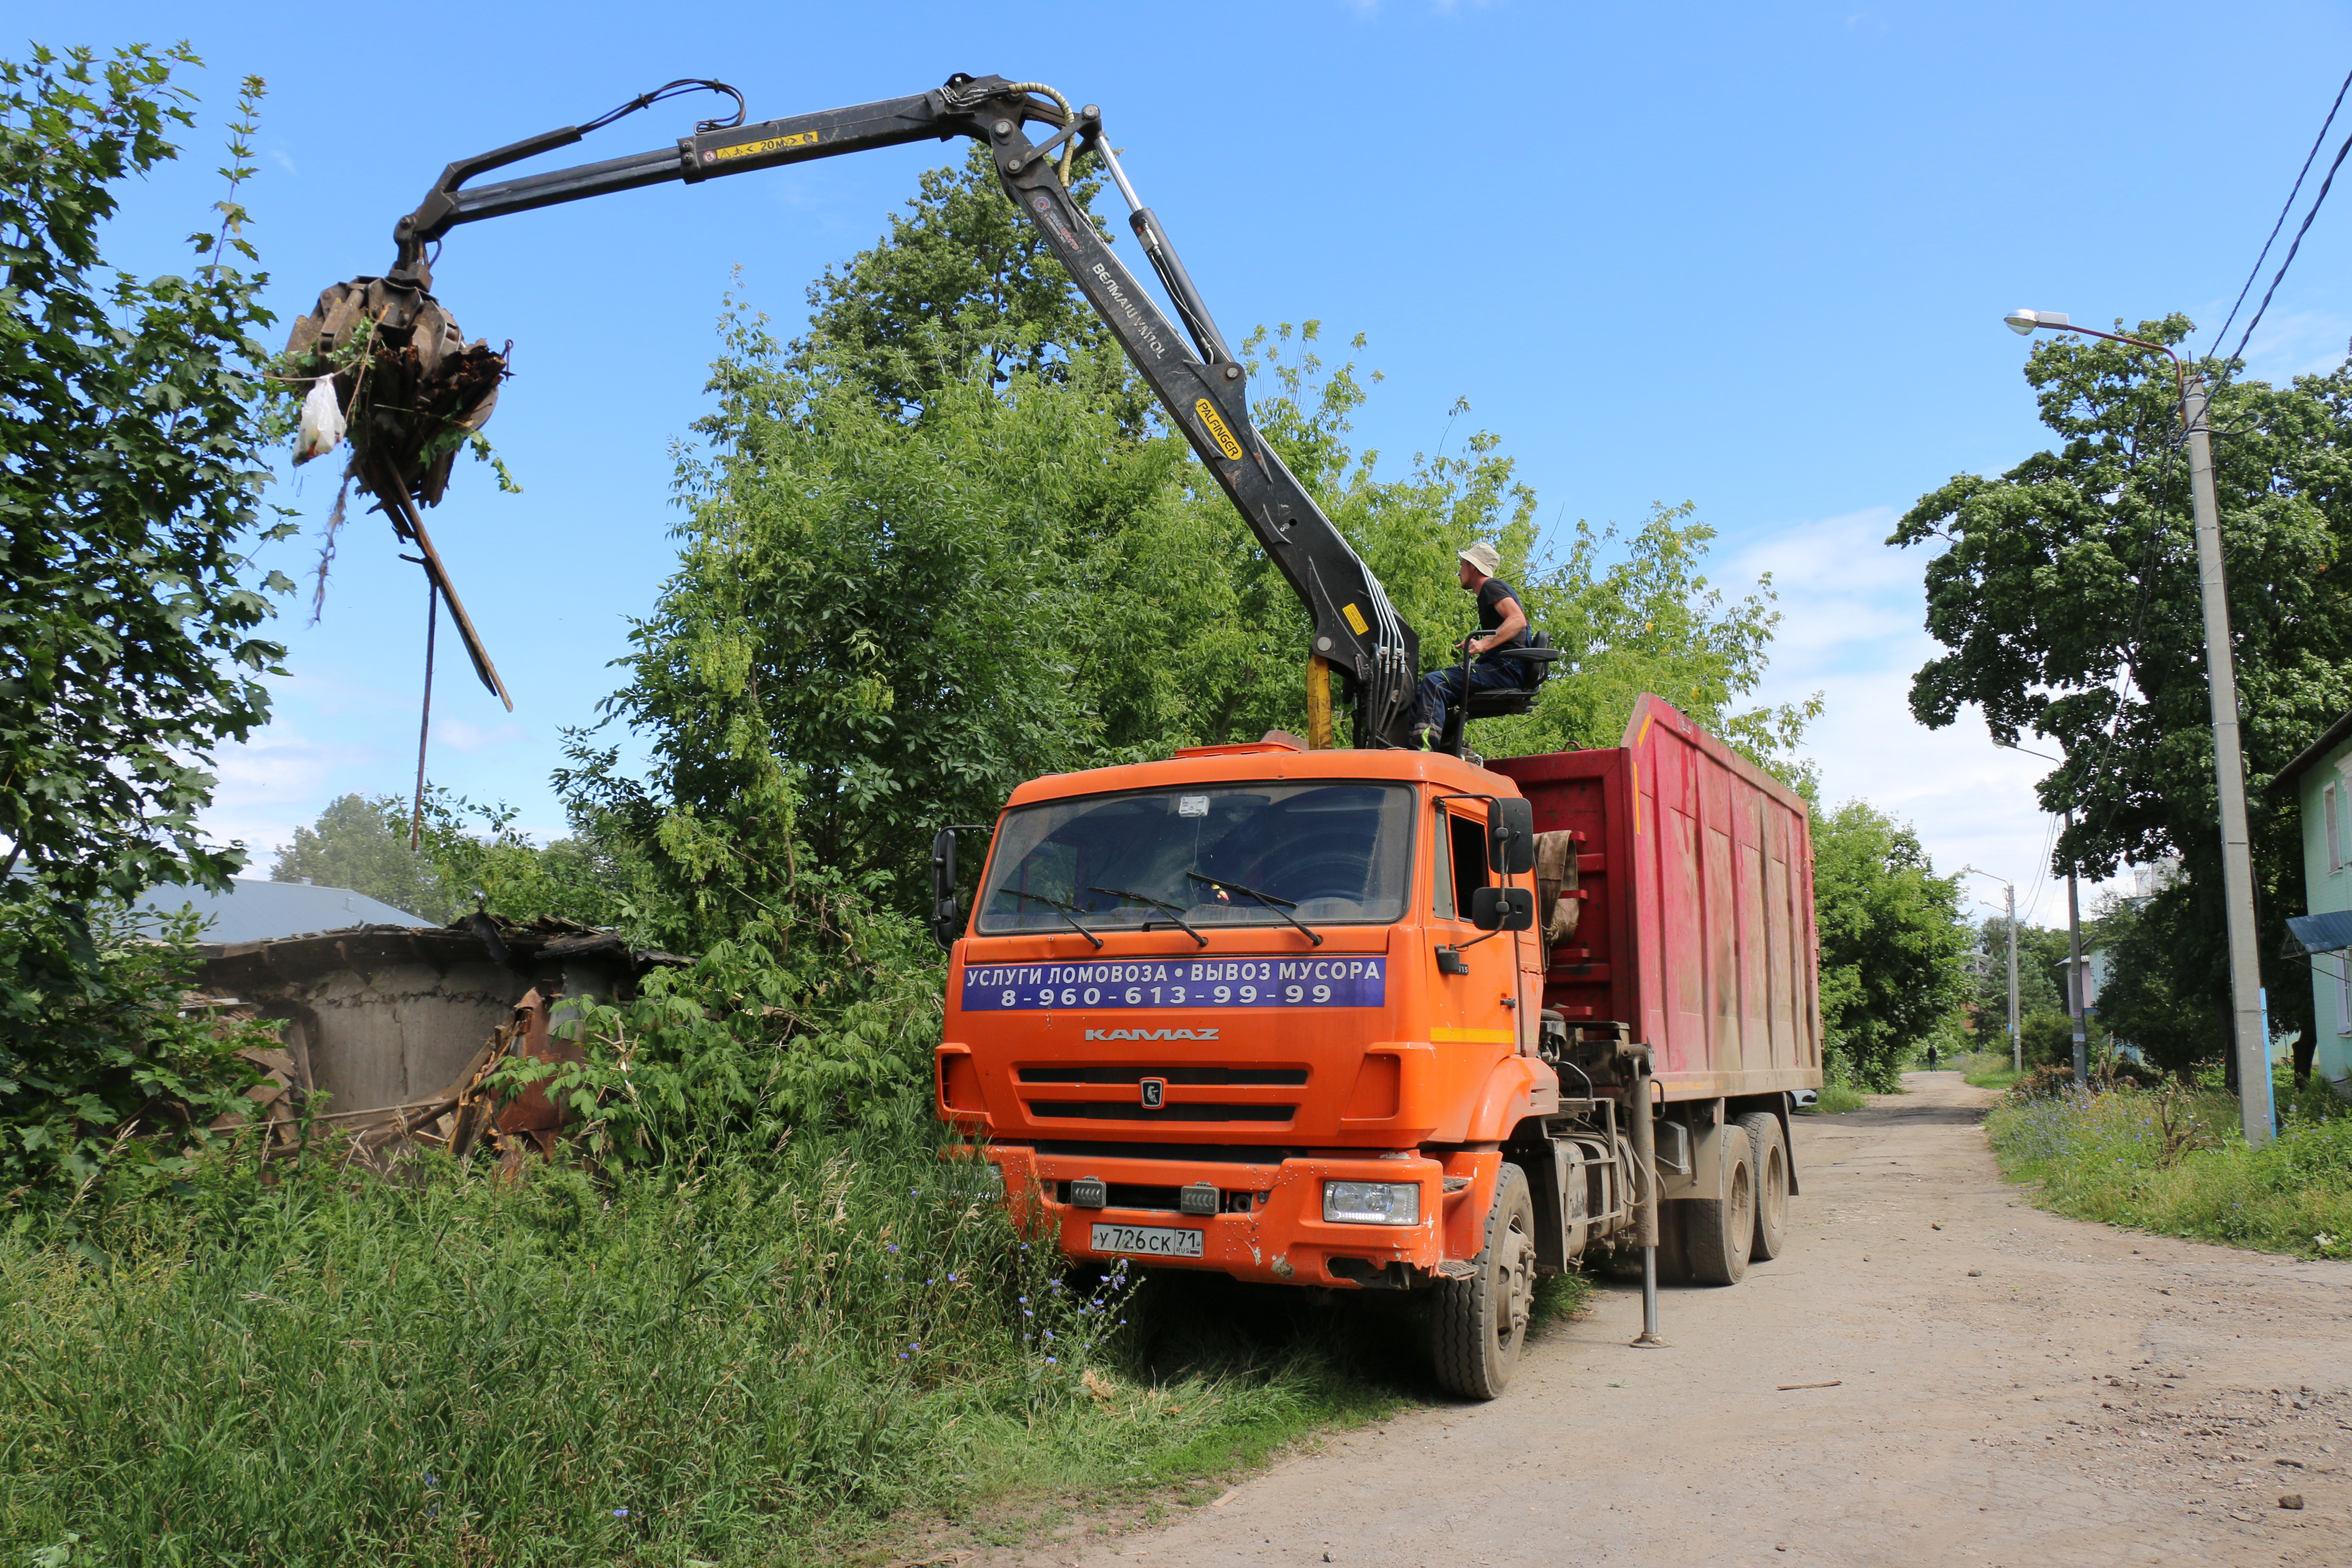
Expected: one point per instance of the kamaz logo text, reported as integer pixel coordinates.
(1151, 1034)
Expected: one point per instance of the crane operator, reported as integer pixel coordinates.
(1502, 626)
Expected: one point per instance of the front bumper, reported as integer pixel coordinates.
(1270, 1226)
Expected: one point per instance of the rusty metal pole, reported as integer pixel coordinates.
(424, 714)
(1645, 1215)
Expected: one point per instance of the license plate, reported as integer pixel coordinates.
(1148, 1240)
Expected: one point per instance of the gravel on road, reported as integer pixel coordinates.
(2006, 1389)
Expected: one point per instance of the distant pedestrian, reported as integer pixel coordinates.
(1931, 1055)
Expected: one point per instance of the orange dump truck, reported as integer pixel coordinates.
(1390, 1020)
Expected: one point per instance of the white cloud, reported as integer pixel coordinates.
(278, 780)
(460, 736)
(1852, 627)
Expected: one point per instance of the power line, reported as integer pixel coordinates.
(2256, 270)
(2290, 249)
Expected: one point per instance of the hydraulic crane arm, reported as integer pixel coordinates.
(1202, 387)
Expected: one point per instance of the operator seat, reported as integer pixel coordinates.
(1536, 660)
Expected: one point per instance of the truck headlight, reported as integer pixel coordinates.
(1371, 1203)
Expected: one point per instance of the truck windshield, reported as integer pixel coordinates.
(1338, 853)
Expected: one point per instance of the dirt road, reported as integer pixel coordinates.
(2012, 1389)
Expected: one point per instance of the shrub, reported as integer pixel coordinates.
(2172, 1162)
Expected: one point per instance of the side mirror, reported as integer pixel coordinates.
(1503, 909)
(947, 919)
(1511, 838)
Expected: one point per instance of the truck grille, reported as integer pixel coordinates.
(1129, 1111)
(1122, 1073)
(1220, 1154)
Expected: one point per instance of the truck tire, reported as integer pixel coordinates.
(1480, 1322)
(1718, 1232)
(1771, 1150)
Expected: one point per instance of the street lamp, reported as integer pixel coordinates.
(2076, 989)
(2250, 1033)
(2016, 1039)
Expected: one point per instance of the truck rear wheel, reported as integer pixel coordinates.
(1481, 1323)
(1717, 1232)
(1771, 1151)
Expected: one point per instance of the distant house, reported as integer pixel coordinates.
(259, 912)
(2322, 779)
(2096, 967)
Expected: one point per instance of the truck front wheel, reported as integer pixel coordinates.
(1481, 1321)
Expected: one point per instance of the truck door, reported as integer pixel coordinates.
(1473, 982)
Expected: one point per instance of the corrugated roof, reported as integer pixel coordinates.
(259, 911)
(2327, 931)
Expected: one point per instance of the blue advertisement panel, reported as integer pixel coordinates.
(1353, 981)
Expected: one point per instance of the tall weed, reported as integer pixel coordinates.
(747, 1361)
(2173, 1162)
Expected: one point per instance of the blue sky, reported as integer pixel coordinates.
(1750, 255)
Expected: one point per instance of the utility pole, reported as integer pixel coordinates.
(2251, 1040)
(2016, 1038)
(2077, 988)
(2250, 1033)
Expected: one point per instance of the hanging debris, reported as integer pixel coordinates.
(409, 389)
(388, 372)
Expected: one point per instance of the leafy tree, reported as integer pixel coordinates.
(914, 579)
(2143, 1000)
(478, 856)
(97, 1055)
(132, 424)
(131, 492)
(962, 281)
(2066, 595)
(2041, 986)
(362, 845)
(1891, 943)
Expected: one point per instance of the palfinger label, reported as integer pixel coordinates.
(1214, 423)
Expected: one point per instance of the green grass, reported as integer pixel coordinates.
(778, 1360)
(1985, 1070)
(2173, 1163)
(1837, 1097)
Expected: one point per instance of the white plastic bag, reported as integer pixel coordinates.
(322, 422)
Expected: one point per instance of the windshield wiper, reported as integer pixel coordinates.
(1279, 906)
(1068, 912)
(1173, 913)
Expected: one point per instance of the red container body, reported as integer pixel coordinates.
(1697, 932)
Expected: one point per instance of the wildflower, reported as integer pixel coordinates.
(894, 1247)
(619, 1513)
(1051, 1361)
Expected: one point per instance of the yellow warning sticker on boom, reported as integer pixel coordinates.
(1355, 618)
(1219, 434)
(772, 144)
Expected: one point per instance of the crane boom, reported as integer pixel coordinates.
(1195, 376)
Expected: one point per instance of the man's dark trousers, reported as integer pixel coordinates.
(1441, 689)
